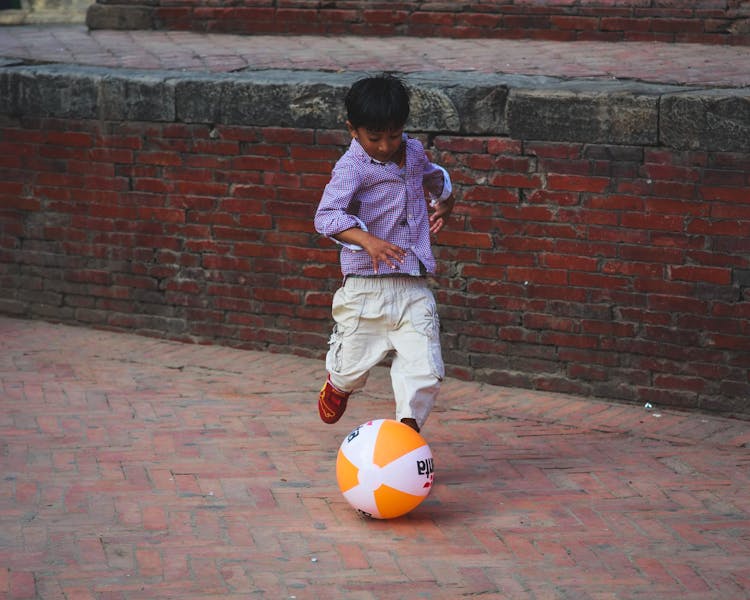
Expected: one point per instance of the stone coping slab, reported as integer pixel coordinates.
(466, 103)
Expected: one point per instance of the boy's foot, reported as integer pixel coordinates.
(411, 423)
(331, 402)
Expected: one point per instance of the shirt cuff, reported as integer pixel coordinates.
(353, 247)
(447, 187)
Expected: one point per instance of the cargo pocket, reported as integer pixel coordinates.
(426, 321)
(333, 358)
(347, 312)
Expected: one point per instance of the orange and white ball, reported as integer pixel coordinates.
(384, 469)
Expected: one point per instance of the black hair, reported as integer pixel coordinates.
(379, 103)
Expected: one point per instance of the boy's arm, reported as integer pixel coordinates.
(332, 215)
(443, 210)
(438, 184)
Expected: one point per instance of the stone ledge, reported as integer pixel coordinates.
(100, 16)
(523, 107)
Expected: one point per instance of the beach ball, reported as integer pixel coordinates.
(384, 469)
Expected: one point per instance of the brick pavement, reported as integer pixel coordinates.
(690, 64)
(137, 468)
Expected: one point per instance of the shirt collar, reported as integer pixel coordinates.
(359, 151)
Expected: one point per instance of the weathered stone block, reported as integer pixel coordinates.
(474, 103)
(432, 109)
(200, 98)
(100, 16)
(8, 92)
(285, 99)
(137, 96)
(717, 120)
(592, 112)
(483, 110)
(50, 91)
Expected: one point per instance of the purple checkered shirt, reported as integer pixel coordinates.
(385, 200)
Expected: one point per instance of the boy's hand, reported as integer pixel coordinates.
(382, 251)
(379, 250)
(439, 218)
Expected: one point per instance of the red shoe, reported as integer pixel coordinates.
(331, 402)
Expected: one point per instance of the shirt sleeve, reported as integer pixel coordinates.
(333, 214)
(437, 182)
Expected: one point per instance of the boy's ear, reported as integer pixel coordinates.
(352, 130)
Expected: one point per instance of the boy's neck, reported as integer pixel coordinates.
(399, 158)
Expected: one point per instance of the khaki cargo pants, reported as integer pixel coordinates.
(375, 316)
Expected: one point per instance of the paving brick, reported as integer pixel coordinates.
(126, 477)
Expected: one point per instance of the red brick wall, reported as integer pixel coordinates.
(704, 21)
(616, 271)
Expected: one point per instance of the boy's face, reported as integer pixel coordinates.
(383, 146)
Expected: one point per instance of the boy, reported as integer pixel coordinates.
(374, 207)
